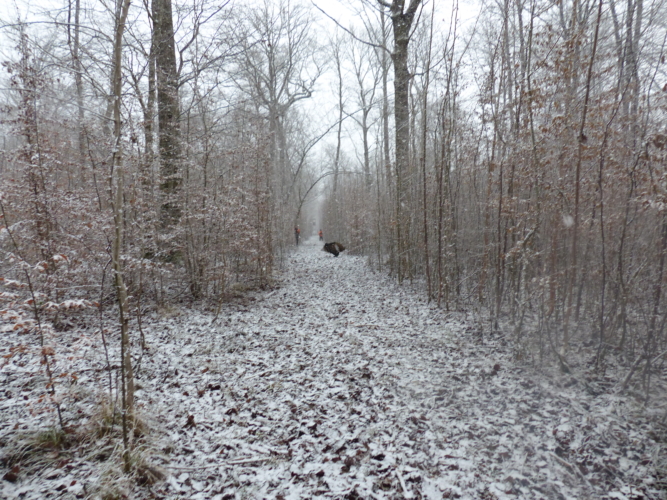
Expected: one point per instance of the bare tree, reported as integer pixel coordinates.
(278, 67)
(127, 378)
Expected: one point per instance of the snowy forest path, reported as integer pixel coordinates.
(341, 384)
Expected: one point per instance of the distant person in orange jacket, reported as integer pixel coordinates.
(321, 235)
(297, 233)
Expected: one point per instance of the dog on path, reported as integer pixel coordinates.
(333, 248)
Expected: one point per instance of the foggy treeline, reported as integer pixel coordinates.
(512, 163)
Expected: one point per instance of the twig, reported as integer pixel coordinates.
(222, 464)
(248, 461)
(562, 462)
(406, 493)
(571, 467)
(261, 374)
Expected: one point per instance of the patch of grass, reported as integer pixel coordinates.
(104, 420)
(110, 491)
(52, 439)
(106, 427)
(107, 421)
(115, 484)
(37, 449)
(168, 312)
(148, 474)
(31, 453)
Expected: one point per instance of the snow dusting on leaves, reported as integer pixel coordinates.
(340, 384)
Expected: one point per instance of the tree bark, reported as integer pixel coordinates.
(78, 82)
(401, 19)
(127, 379)
(169, 138)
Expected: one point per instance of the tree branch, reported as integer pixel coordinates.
(350, 32)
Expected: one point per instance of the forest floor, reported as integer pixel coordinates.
(340, 384)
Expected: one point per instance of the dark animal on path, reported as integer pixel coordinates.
(334, 248)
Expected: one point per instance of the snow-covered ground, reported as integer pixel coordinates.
(341, 384)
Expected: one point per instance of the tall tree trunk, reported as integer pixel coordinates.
(577, 187)
(78, 83)
(367, 153)
(149, 111)
(337, 226)
(169, 147)
(423, 159)
(402, 22)
(385, 128)
(127, 378)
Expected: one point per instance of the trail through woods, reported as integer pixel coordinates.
(340, 384)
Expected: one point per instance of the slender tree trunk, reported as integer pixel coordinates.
(385, 132)
(423, 159)
(367, 157)
(338, 226)
(127, 379)
(653, 329)
(577, 188)
(443, 164)
(78, 83)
